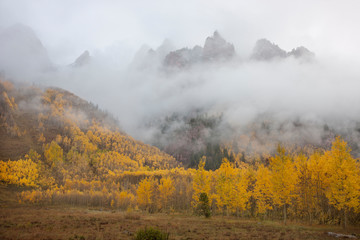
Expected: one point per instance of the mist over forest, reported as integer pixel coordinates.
(211, 86)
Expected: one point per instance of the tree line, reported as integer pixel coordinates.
(321, 187)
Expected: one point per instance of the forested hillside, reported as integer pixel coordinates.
(59, 129)
(60, 149)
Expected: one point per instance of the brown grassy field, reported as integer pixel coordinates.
(35, 222)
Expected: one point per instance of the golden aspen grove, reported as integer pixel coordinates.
(179, 120)
(86, 161)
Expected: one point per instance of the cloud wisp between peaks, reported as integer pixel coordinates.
(242, 90)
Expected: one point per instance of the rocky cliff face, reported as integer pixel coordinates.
(215, 49)
(184, 57)
(266, 50)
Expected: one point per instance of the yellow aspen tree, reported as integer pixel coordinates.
(82, 144)
(318, 168)
(201, 182)
(166, 191)
(33, 155)
(55, 160)
(225, 177)
(240, 192)
(125, 200)
(344, 179)
(10, 102)
(20, 172)
(306, 197)
(284, 179)
(93, 138)
(145, 192)
(53, 153)
(263, 190)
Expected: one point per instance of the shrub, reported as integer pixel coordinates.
(151, 234)
(76, 237)
(203, 206)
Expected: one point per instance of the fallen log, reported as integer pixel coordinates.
(339, 235)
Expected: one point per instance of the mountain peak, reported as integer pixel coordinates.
(217, 48)
(216, 34)
(82, 60)
(301, 52)
(266, 50)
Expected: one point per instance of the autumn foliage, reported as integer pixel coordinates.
(80, 158)
(322, 187)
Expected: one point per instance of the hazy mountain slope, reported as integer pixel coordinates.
(188, 136)
(20, 48)
(33, 118)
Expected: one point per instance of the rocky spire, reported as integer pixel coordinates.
(216, 48)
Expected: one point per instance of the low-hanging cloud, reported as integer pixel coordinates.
(244, 92)
(323, 92)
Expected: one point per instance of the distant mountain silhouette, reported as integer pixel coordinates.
(301, 52)
(265, 50)
(215, 49)
(82, 60)
(21, 49)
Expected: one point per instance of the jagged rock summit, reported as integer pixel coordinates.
(265, 50)
(184, 57)
(215, 49)
(301, 52)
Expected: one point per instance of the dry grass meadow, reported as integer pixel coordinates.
(59, 222)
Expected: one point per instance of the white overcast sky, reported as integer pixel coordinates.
(68, 27)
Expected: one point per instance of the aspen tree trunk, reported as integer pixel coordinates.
(344, 222)
(284, 214)
(213, 208)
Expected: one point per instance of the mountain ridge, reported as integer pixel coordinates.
(32, 119)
